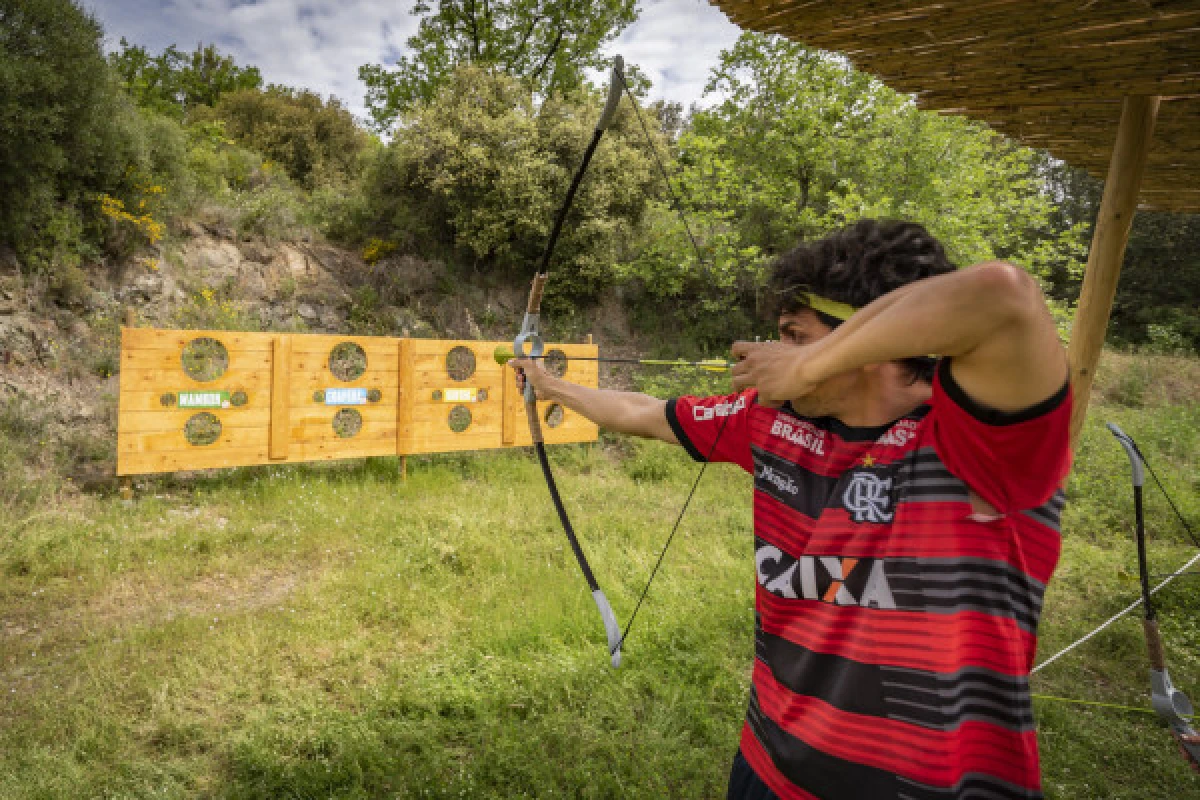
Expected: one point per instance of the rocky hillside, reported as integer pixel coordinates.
(59, 343)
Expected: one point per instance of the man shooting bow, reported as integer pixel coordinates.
(905, 515)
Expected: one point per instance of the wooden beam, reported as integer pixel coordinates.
(1138, 114)
(281, 373)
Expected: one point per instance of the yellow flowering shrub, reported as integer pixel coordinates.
(141, 218)
(377, 249)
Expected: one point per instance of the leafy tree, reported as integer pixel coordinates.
(313, 140)
(173, 82)
(803, 143)
(59, 117)
(545, 43)
(481, 171)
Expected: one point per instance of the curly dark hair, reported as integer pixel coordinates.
(857, 265)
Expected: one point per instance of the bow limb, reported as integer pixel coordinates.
(530, 336)
(1172, 706)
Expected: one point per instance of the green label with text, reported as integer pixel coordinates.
(204, 399)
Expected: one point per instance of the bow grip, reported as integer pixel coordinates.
(529, 330)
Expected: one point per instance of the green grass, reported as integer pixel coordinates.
(322, 632)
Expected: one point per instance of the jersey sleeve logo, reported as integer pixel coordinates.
(706, 413)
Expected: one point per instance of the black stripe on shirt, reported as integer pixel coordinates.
(991, 416)
(680, 434)
(927, 699)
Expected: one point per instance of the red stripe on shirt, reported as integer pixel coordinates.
(914, 639)
(925, 755)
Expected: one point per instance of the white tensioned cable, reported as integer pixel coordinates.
(1115, 617)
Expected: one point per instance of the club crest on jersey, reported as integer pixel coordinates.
(706, 413)
(868, 494)
(829, 579)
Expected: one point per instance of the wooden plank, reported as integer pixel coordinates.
(309, 382)
(174, 380)
(323, 344)
(318, 363)
(174, 420)
(323, 415)
(147, 401)
(404, 410)
(302, 396)
(1117, 207)
(172, 360)
(281, 371)
(510, 419)
(174, 441)
(176, 460)
(176, 339)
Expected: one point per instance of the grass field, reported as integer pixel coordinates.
(330, 632)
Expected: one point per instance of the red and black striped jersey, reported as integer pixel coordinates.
(901, 571)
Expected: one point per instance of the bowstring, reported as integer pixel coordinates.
(674, 530)
(678, 207)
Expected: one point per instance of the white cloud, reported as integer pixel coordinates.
(320, 44)
(677, 43)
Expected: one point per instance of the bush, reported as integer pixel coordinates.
(216, 164)
(271, 211)
(481, 171)
(56, 102)
(314, 141)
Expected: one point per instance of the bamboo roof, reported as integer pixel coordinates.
(1050, 73)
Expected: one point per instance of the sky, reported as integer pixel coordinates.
(320, 44)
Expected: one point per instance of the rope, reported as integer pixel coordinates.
(1170, 576)
(1098, 704)
(1113, 618)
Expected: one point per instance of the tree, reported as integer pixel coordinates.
(173, 82)
(801, 144)
(313, 140)
(58, 111)
(547, 44)
(479, 172)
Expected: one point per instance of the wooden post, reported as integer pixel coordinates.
(279, 436)
(403, 470)
(125, 484)
(1117, 207)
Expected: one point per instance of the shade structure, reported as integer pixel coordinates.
(1049, 73)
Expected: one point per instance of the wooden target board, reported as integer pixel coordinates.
(207, 399)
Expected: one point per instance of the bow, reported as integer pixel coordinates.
(1171, 705)
(529, 335)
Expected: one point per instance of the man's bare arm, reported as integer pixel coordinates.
(624, 412)
(991, 318)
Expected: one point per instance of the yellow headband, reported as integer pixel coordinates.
(837, 310)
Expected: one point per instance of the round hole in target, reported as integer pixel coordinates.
(554, 415)
(459, 419)
(460, 363)
(204, 359)
(347, 422)
(347, 361)
(202, 429)
(555, 362)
